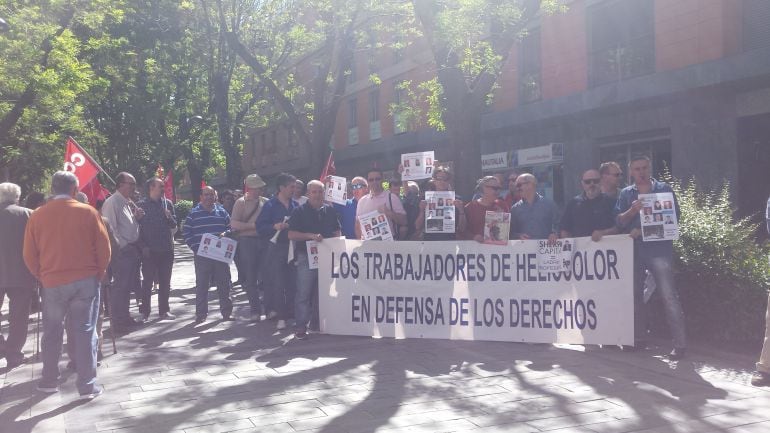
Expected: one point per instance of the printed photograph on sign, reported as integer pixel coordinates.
(658, 217)
(336, 190)
(216, 248)
(440, 212)
(375, 226)
(312, 254)
(496, 227)
(416, 166)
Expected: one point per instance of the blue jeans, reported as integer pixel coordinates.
(250, 258)
(306, 298)
(280, 276)
(79, 301)
(659, 261)
(205, 270)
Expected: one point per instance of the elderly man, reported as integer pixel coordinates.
(534, 216)
(123, 216)
(610, 179)
(70, 278)
(208, 217)
(512, 196)
(15, 280)
(762, 376)
(383, 201)
(313, 221)
(271, 226)
(590, 213)
(656, 257)
(250, 248)
(155, 234)
(347, 212)
(476, 209)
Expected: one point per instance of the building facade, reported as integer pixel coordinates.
(686, 82)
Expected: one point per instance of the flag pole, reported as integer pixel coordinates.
(90, 158)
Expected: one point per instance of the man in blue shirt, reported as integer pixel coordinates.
(762, 376)
(534, 216)
(654, 256)
(347, 212)
(208, 217)
(313, 221)
(279, 290)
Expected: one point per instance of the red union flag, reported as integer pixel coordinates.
(168, 186)
(79, 162)
(329, 169)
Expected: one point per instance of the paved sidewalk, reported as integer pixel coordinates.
(237, 376)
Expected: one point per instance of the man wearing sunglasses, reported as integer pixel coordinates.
(347, 212)
(383, 201)
(534, 216)
(590, 213)
(611, 174)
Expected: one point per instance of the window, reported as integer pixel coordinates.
(399, 96)
(529, 71)
(372, 52)
(659, 152)
(352, 122)
(621, 40)
(374, 115)
(756, 24)
(398, 48)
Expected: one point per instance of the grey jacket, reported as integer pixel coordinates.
(13, 222)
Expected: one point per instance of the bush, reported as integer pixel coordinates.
(722, 272)
(182, 208)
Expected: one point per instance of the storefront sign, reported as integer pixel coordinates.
(494, 161)
(553, 152)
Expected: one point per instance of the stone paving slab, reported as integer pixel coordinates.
(172, 376)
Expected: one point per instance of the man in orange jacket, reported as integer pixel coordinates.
(67, 248)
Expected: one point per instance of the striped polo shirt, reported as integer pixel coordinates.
(200, 221)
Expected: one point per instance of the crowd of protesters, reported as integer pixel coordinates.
(69, 250)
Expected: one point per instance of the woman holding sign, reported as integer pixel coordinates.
(476, 210)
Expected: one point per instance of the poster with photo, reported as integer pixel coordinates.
(440, 212)
(555, 257)
(374, 226)
(658, 217)
(496, 227)
(416, 166)
(336, 190)
(221, 249)
(312, 254)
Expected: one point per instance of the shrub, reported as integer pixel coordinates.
(182, 208)
(722, 272)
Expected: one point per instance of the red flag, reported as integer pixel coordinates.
(203, 184)
(168, 187)
(95, 192)
(329, 169)
(79, 162)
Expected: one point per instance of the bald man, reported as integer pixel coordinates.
(534, 216)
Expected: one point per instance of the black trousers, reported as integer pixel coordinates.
(20, 299)
(156, 267)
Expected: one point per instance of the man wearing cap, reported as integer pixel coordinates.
(243, 223)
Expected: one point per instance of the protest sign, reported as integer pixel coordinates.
(554, 257)
(470, 291)
(440, 212)
(418, 165)
(375, 226)
(337, 190)
(312, 254)
(497, 226)
(658, 217)
(217, 248)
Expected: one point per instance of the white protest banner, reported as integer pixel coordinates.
(217, 248)
(658, 217)
(337, 190)
(554, 257)
(417, 165)
(375, 226)
(312, 254)
(466, 290)
(439, 212)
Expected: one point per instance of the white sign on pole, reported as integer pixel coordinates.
(418, 165)
(221, 249)
(465, 290)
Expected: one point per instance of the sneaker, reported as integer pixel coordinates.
(677, 354)
(199, 320)
(167, 316)
(145, 318)
(760, 379)
(228, 318)
(272, 315)
(14, 362)
(300, 335)
(280, 325)
(47, 388)
(256, 317)
(98, 390)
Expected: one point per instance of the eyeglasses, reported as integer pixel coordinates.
(441, 179)
(494, 187)
(130, 183)
(618, 174)
(357, 186)
(522, 183)
(592, 181)
(375, 179)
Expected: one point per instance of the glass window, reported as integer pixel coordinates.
(352, 113)
(530, 66)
